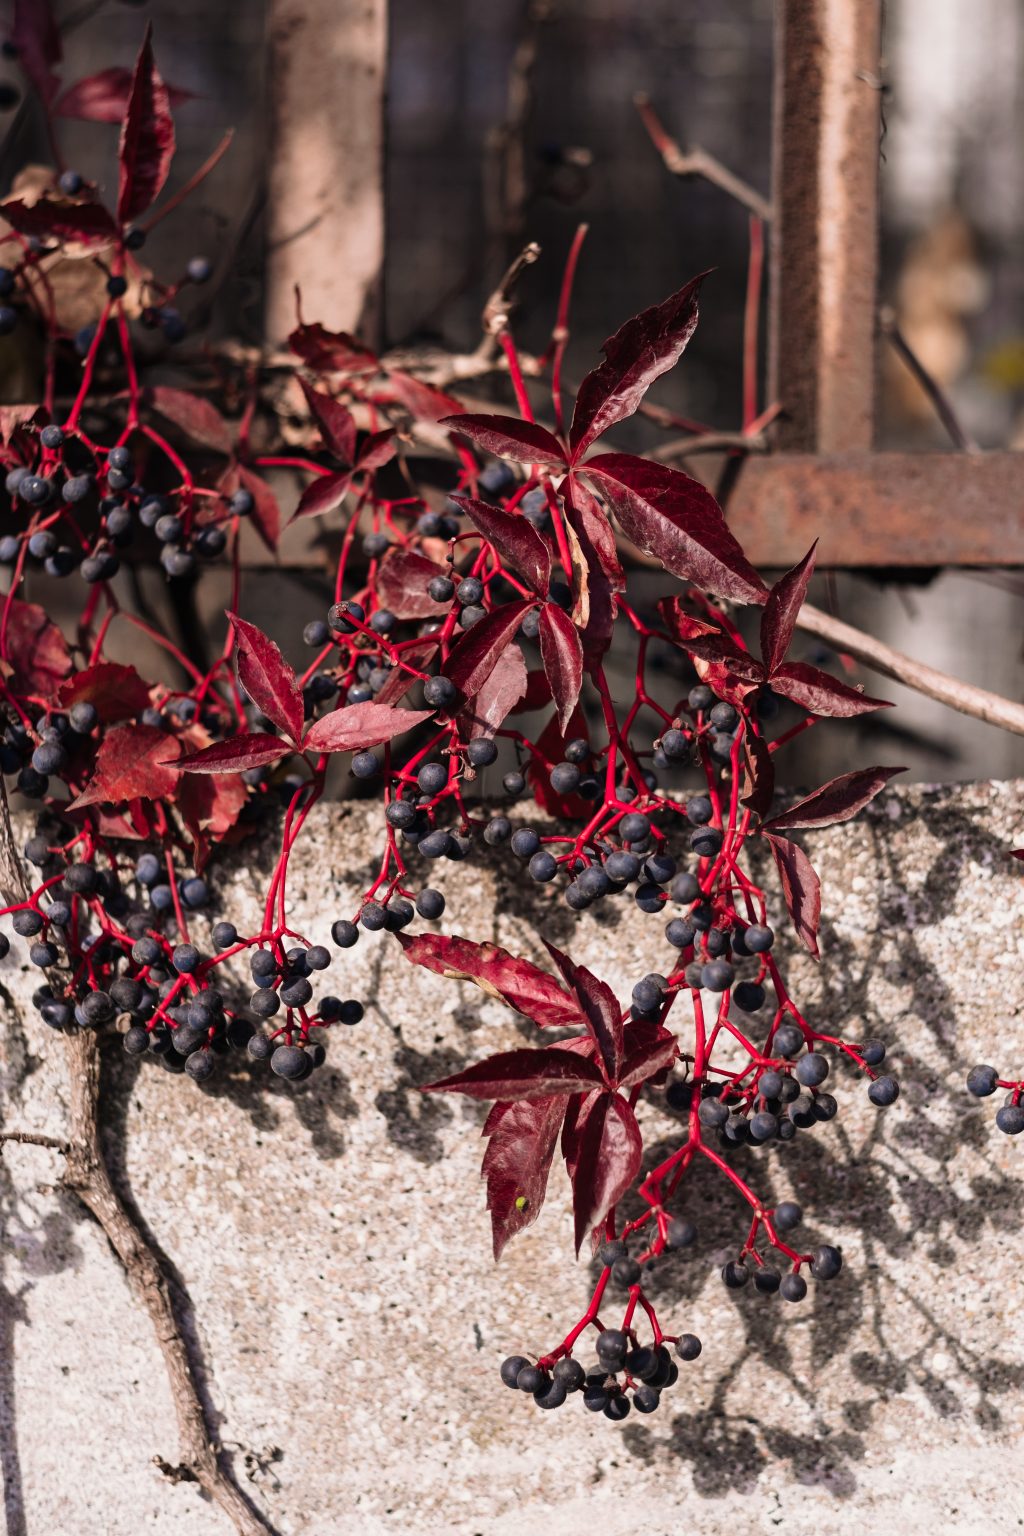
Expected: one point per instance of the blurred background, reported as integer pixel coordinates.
(556, 80)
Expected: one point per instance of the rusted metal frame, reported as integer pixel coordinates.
(824, 234)
(880, 509)
(325, 170)
(867, 509)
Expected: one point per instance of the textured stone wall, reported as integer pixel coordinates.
(334, 1244)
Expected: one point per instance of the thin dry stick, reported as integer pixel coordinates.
(711, 442)
(697, 162)
(86, 1175)
(964, 697)
(936, 394)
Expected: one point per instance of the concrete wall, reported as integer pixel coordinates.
(335, 1247)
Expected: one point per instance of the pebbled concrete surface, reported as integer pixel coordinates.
(335, 1248)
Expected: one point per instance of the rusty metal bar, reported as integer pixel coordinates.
(867, 509)
(325, 177)
(825, 230)
(881, 509)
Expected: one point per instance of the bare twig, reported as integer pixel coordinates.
(34, 1139)
(498, 309)
(697, 162)
(890, 328)
(964, 697)
(711, 442)
(87, 1176)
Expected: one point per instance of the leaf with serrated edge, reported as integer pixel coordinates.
(562, 655)
(678, 521)
(821, 694)
(516, 540)
(523, 1137)
(134, 762)
(800, 887)
(267, 678)
(522, 1074)
(779, 614)
(838, 800)
(600, 1008)
(606, 1163)
(509, 438)
(509, 978)
(249, 750)
(472, 657)
(650, 1058)
(355, 727)
(147, 137)
(642, 350)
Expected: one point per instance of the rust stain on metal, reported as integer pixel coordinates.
(825, 232)
(881, 509)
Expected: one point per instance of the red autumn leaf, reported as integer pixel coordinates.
(497, 698)
(758, 789)
(325, 493)
(247, 750)
(103, 97)
(838, 800)
(265, 516)
(522, 1074)
(607, 1160)
(517, 1161)
(538, 693)
(36, 36)
(821, 694)
(376, 449)
(647, 1060)
(600, 1008)
(355, 727)
(147, 137)
(134, 762)
(515, 539)
(336, 423)
(422, 401)
(562, 655)
(510, 979)
(509, 438)
(592, 526)
(209, 805)
(783, 603)
(800, 887)
(115, 691)
(471, 659)
(61, 220)
(267, 678)
(708, 642)
(331, 351)
(416, 653)
(597, 574)
(639, 352)
(34, 648)
(197, 418)
(402, 579)
(674, 518)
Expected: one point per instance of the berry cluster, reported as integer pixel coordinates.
(982, 1082)
(462, 612)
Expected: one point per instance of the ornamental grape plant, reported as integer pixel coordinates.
(453, 616)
